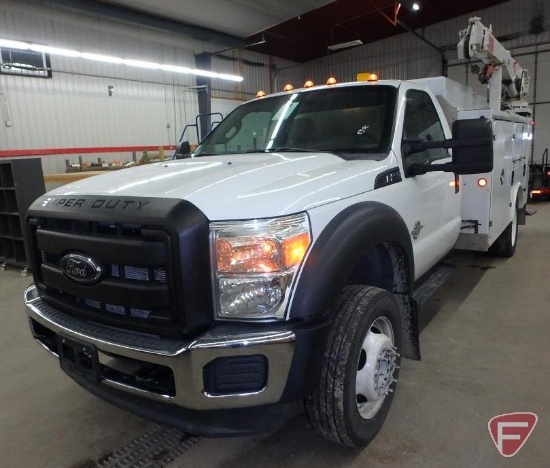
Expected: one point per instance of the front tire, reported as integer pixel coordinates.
(360, 368)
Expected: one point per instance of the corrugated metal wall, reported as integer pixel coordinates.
(259, 71)
(150, 107)
(407, 57)
(512, 25)
(73, 108)
(225, 106)
(399, 57)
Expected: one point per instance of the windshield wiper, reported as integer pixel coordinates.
(231, 153)
(281, 149)
(286, 149)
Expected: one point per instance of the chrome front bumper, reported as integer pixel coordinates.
(186, 359)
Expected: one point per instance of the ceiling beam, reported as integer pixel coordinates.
(128, 15)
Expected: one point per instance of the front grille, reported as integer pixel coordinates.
(153, 254)
(135, 289)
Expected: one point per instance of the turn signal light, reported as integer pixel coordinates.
(294, 249)
(482, 182)
(331, 81)
(288, 87)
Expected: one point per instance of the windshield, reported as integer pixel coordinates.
(353, 122)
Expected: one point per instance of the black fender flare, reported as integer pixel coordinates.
(329, 265)
(333, 257)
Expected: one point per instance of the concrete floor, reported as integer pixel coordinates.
(485, 341)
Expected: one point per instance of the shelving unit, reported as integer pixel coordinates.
(21, 182)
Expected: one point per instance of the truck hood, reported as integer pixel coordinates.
(240, 186)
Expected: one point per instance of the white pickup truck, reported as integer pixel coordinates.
(283, 262)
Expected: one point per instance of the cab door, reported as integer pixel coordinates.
(433, 206)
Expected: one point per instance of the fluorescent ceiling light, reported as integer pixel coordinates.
(101, 58)
(8, 43)
(345, 45)
(54, 50)
(175, 69)
(14, 44)
(142, 64)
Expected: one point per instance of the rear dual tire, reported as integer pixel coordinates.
(505, 245)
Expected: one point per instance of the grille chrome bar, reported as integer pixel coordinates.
(136, 273)
(111, 291)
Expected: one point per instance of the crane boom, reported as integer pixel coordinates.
(508, 81)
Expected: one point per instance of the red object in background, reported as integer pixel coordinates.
(88, 150)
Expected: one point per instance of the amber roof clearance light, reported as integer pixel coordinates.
(367, 77)
(288, 87)
(331, 81)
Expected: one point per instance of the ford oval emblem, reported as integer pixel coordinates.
(81, 268)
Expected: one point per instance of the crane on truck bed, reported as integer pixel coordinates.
(508, 82)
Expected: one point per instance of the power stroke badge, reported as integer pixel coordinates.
(81, 268)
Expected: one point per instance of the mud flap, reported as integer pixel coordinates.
(409, 327)
(522, 215)
(410, 307)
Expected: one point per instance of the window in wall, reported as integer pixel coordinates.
(25, 63)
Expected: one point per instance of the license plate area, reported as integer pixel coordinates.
(79, 358)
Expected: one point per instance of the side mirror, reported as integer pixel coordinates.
(183, 150)
(474, 154)
(472, 146)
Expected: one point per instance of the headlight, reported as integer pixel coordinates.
(255, 262)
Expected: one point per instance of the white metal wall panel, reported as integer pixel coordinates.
(225, 106)
(406, 57)
(509, 20)
(73, 108)
(511, 23)
(399, 57)
(256, 68)
(151, 107)
(543, 76)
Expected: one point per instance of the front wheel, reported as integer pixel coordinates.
(360, 368)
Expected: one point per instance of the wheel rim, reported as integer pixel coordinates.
(375, 368)
(515, 227)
